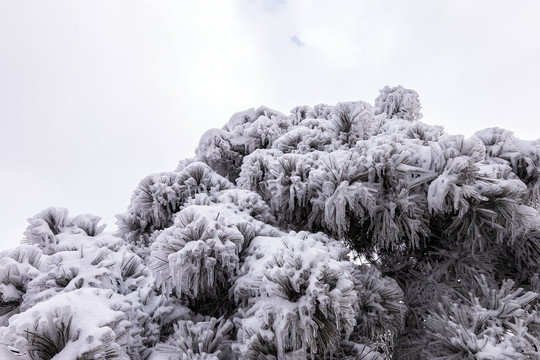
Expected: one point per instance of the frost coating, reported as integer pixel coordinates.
(203, 340)
(159, 196)
(298, 300)
(92, 323)
(244, 251)
(398, 102)
(198, 254)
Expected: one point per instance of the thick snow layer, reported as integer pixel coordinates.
(285, 282)
(92, 312)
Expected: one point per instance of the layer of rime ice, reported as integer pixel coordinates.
(352, 231)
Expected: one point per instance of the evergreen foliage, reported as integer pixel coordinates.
(352, 231)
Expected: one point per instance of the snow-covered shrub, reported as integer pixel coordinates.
(44, 227)
(256, 172)
(216, 150)
(524, 250)
(18, 268)
(338, 191)
(448, 147)
(158, 197)
(352, 122)
(197, 258)
(398, 102)
(303, 140)
(81, 324)
(89, 223)
(262, 133)
(82, 259)
(243, 119)
(298, 295)
(523, 156)
(381, 309)
(320, 111)
(288, 183)
(203, 340)
(480, 195)
(224, 149)
(298, 114)
(92, 267)
(248, 202)
(500, 325)
(424, 132)
(48, 228)
(500, 144)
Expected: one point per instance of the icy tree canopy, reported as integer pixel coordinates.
(351, 231)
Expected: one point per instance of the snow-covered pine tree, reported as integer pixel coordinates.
(346, 232)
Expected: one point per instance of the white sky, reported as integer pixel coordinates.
(96, 95)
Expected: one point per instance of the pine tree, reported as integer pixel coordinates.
(352, 231)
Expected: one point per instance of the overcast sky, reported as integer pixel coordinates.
(95, 95)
